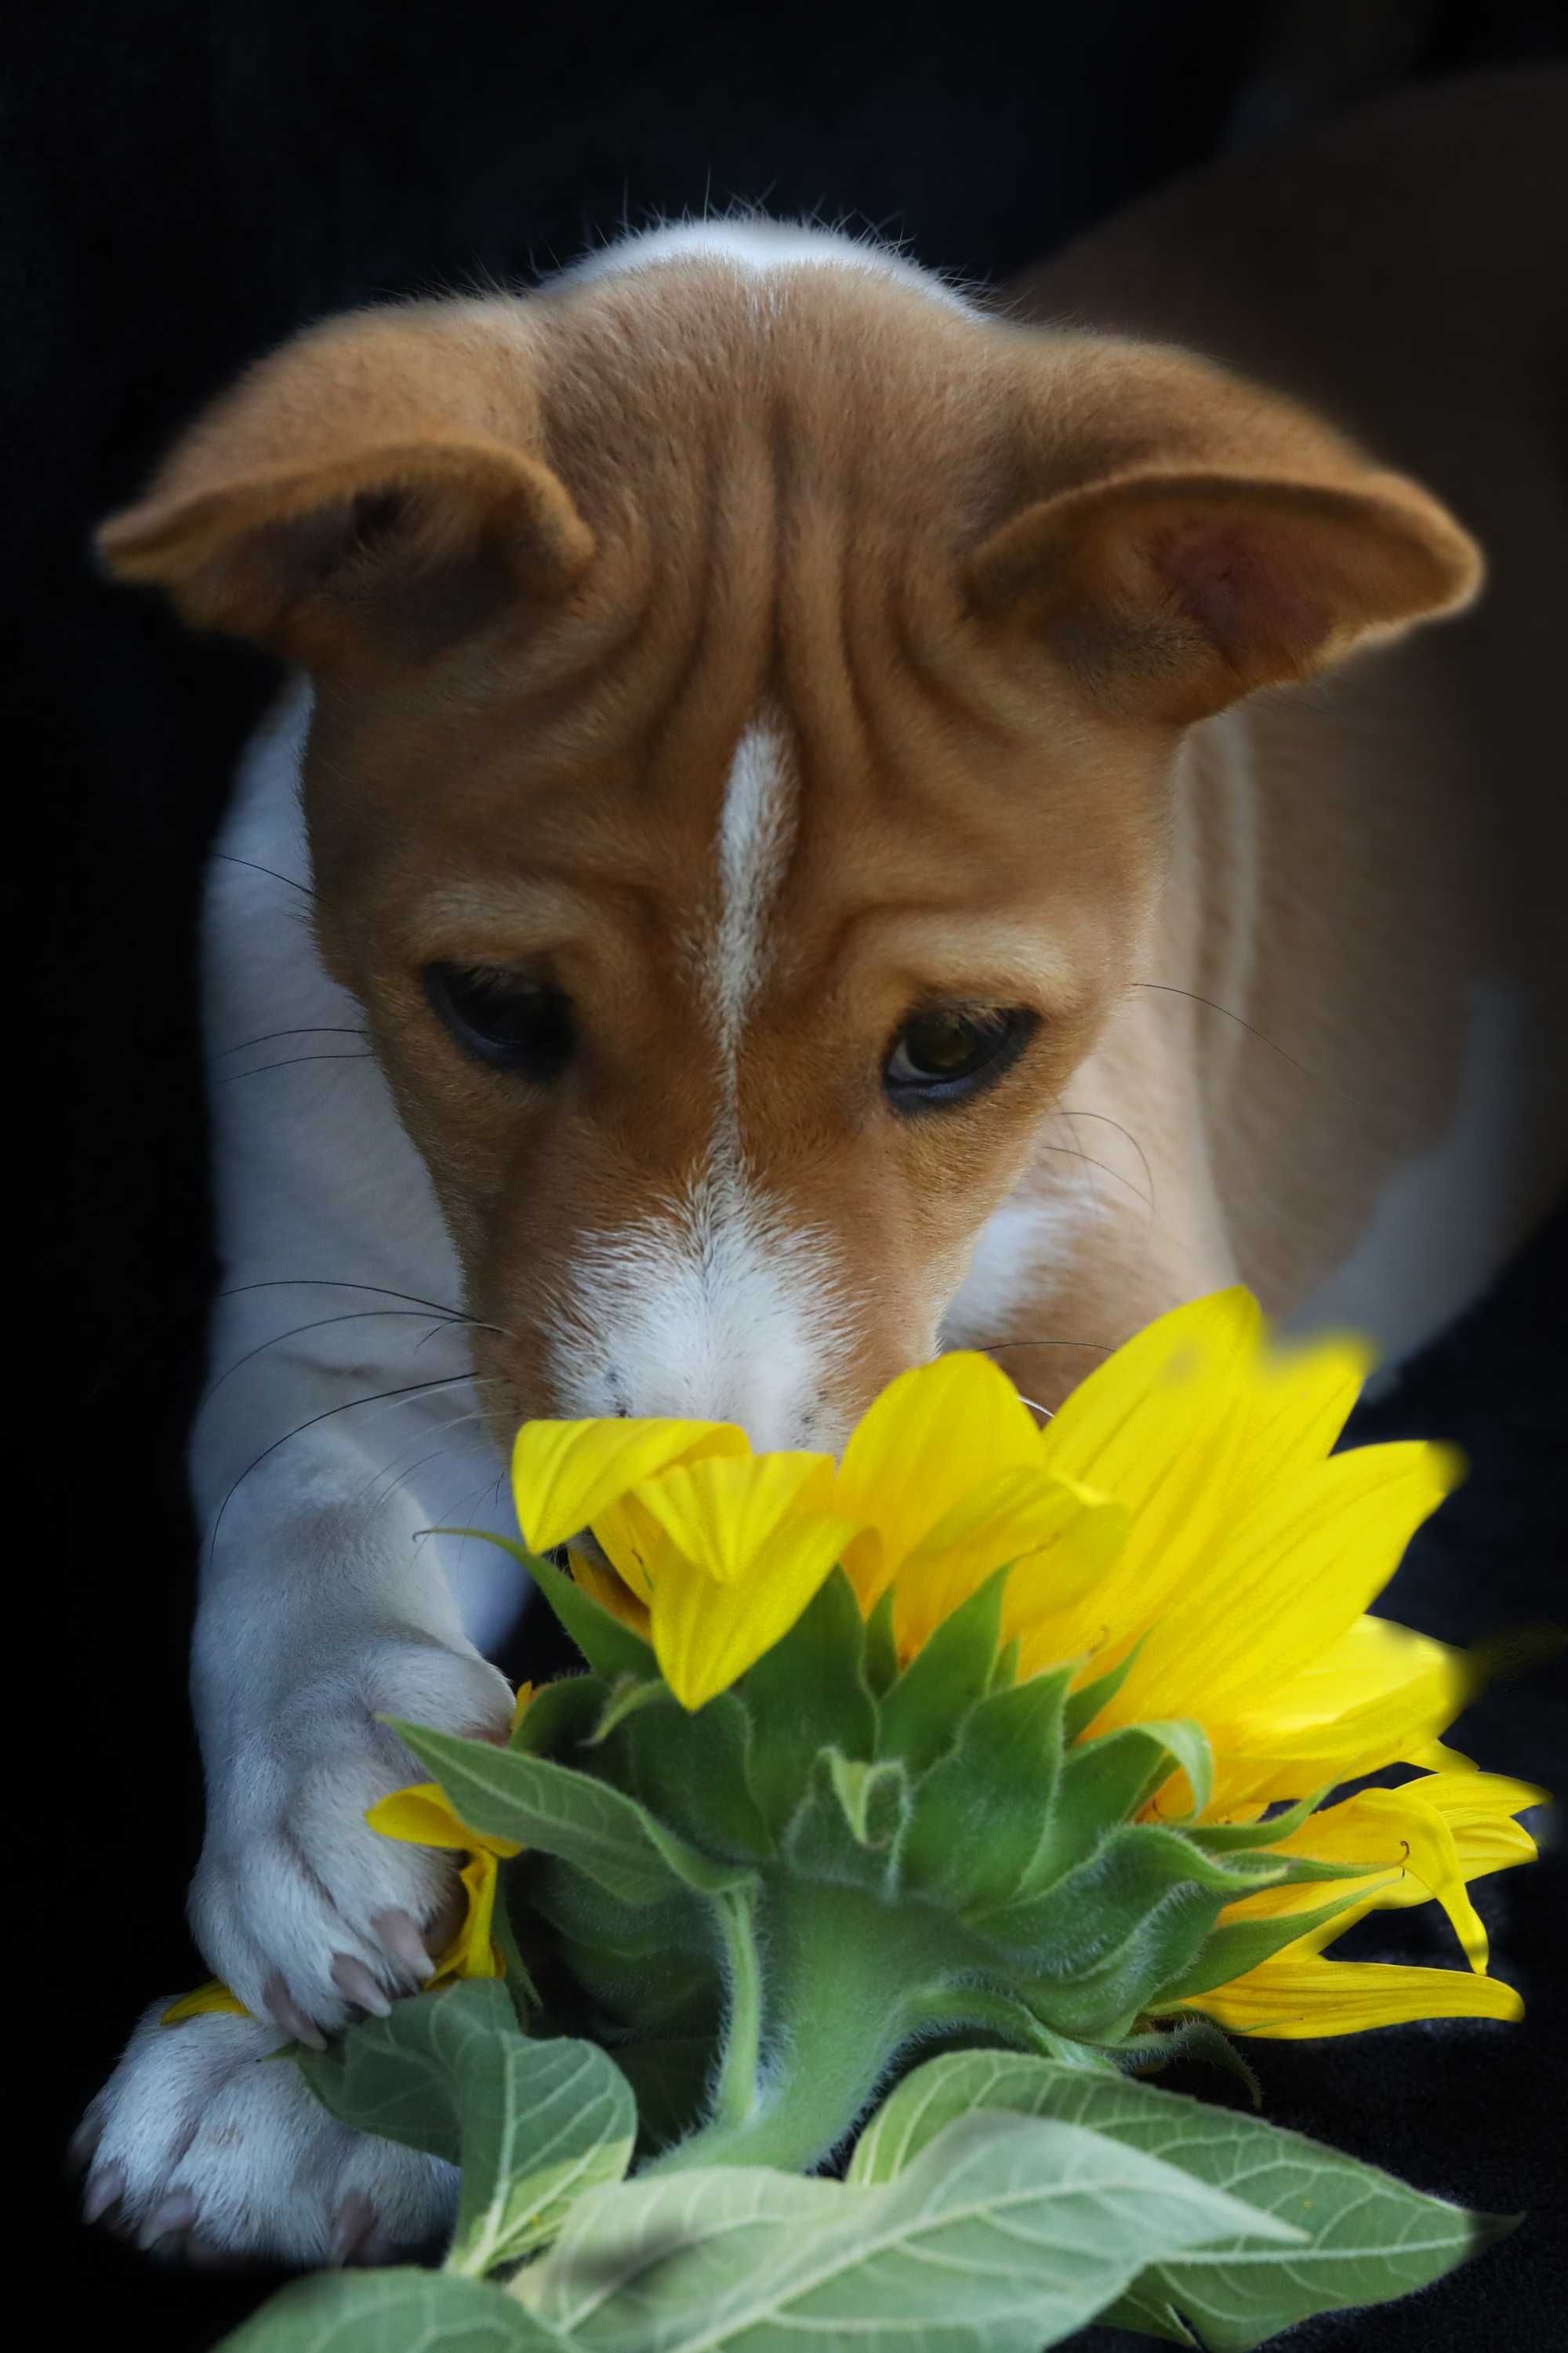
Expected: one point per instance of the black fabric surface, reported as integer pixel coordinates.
(183, 182)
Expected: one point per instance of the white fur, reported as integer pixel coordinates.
(718, 1310)
(756, 832)
(193, 2112)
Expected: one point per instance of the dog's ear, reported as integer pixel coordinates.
(378, 483)
(1264, 549)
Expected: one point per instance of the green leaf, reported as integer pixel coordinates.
(920, 1715)
(979, 1812)
(809, 1692)
(555, 1810)
(1366, 2237)
(531, 2124)
(396, 2311)
(1006, 2232)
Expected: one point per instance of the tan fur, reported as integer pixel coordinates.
(548, 559)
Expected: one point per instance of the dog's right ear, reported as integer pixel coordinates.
(379, 483)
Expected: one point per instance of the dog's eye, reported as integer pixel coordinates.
(504, 1019)
(953, 1051)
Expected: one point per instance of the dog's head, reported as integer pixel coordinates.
(747, 701)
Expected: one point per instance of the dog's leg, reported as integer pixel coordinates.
(340, 1423)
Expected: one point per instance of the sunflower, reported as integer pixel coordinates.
(1182, 1538)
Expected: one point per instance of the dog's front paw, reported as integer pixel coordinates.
(194, 2149)
(309, 1916)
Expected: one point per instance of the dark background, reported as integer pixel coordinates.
(183, 182)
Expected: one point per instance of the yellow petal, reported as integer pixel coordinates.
(721, 1515)
(1286, 1584)
(1060, 1537)
(935, 1435)
(1301, 1399)
(425, 1816)
(564, 1473)
(472, 1952)
(748, 1549)
(522, 1701)
(1395, 1827)
(1160, 1427)
(609, 1590)
(1290, 1999)
(1377, 1696)
(213, 1997)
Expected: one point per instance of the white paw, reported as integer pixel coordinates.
(197, 2149)
(307, 1915)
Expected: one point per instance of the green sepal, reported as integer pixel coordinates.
(1096, 1947)
(609, 1646)
(1191, 2037)
(1228, 1838)
(881, 1647)
(919, 1715)
(1005, 1673)
(979, 1811)
(560, 1716)
(1241, 1945)
(625, 1695)
(848, 1829)
(1101, 1783)
(1086, 1705)
(692, 1772)
(1187, 1744)
(808, 1693)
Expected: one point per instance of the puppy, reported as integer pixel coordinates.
(821, 818)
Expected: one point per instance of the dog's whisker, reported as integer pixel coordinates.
(290, 1062)
(491, 1487)
(1167, 988)
(229, 858)
(991, 1347)
(381, 1396)
(443, 1323)
(381, 1290)
(316, 1030)
(1069, 1112)
(399, 1469)
(1071, 1152)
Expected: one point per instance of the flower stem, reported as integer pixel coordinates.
(826, 1984)
(736, 2091)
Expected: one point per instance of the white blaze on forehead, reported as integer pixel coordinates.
(756, 834)
(722, 1309)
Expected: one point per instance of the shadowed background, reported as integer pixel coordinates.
(184, 184)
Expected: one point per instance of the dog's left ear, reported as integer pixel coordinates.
(1166, 591)
(374, 490)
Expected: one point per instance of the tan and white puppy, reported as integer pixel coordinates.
(778, 862)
